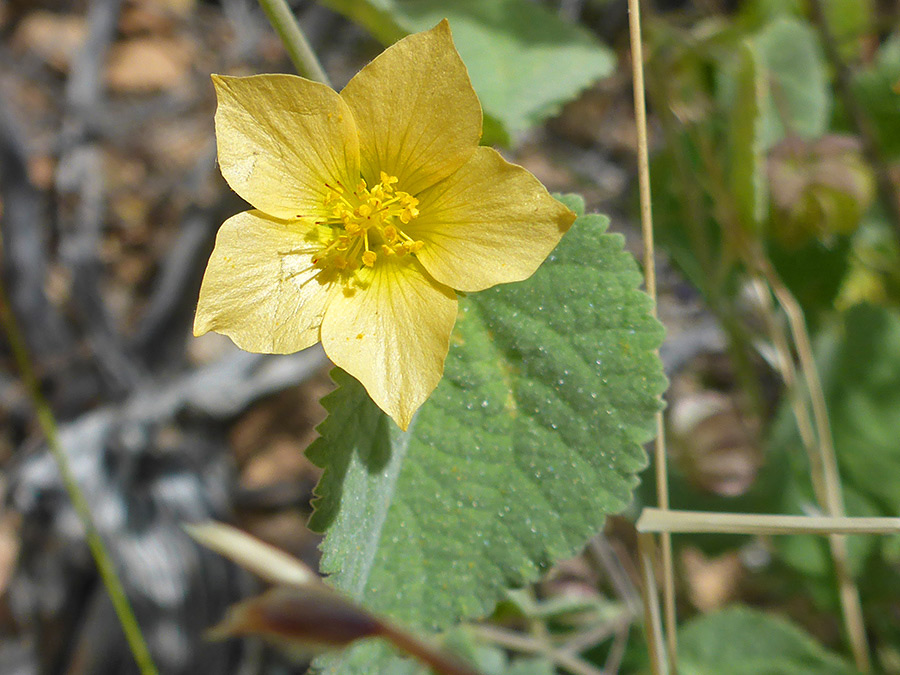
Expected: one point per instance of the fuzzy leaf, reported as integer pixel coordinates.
(877, 90)
(532, 437)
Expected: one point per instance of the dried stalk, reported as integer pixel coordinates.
(654, 521)
(823, 460)
(662, 484)
(647, 552)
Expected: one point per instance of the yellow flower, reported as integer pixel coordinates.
(370, 207)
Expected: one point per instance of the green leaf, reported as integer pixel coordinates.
(849, 21)
(861, 377)
(875, 90)
(810, 555)
(538, 665)
(532, 437)
(683, 220)
(747, 165)
(524, 60)
(813, 272)
(859, 362)
(742, 641)
(760, 12)
(799, 100)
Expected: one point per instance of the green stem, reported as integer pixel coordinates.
(101, 556)
(302, 55)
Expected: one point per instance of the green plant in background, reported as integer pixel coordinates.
(820, 190)
(775, 181)
(524, 60)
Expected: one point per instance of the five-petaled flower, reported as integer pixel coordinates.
(370, 207)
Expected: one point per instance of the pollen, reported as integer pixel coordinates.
(365, 226)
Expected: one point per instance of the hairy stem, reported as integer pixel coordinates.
(302, 55)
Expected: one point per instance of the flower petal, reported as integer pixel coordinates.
(392, 335)
(490, 223)
(260, 287)
(281, 138)
(417, 114)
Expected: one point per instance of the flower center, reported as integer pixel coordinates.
(365, 225)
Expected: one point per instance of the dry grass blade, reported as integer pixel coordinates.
(823, 461)
(659, 521)
(662, 486)
(263, 560)
(650, 594)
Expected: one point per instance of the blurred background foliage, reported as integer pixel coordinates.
(777, 124)
(775, 130)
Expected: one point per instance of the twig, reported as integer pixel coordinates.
(530, 645)
(617, 651)
(102, 558)
(577, 643)
(612, 564)
(887, 189)
(23, 258)
(80, 177)
(86, 81)
(79, 182)
(224, 389)
(159, 338)
(662, 485)
(302, 55)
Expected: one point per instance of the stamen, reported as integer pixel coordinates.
(364, 224)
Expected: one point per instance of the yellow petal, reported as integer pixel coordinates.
(392, 335)
(417, 114)
(281, 139)
(491, 222)
(260, 287)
